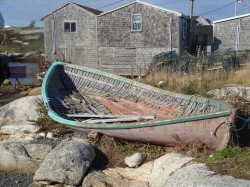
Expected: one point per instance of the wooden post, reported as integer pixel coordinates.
(191, 15)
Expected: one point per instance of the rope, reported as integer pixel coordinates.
(213, 133)
(246, 122)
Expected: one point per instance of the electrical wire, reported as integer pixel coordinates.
(170, 3)
(111, 4)
(217, 9)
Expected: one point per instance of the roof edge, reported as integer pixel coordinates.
(231, 18)
(141, 2)
(65, 4)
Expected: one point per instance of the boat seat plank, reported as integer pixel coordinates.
(109, 116)
(123, 119)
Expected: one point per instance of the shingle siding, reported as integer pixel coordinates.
(225, 33)
(117, 44)
(79, 47)
(106, 41)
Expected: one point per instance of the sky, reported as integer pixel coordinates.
(20, 13)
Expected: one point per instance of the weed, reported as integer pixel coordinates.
(226, 153)
(190, 88)
(232, 161)
(45, 122)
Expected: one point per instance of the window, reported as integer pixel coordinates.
(136, 24)
(69, 26)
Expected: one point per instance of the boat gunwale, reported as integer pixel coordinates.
(226, 109)
(106, 126)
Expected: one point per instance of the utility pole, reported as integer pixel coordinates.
(191, 15)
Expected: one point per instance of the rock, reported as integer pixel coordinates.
(231, 91)
(42, 135)
(15, 129)
(35, 37)
(20, 136)
(135, 160)
(50, 135)
(161, 83)
(165, 166)
(15, 158)
(171, 170)
(35, 91)
(153, 173)
(23, 109)
(248, 93)
(67, 163)
(99, 179)
(196, 174)
(6, 82)
(38, 151)
(33, 53)
(31, 31)
(46, 184)
(17, 54)
(25, 43)
(141, 174)
(17, 41)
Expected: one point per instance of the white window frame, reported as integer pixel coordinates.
(70, 22)
(132, 22)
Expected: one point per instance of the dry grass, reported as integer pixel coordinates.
(200, 82)
(12, 35)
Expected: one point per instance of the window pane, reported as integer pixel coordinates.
(136, 23)
(66, 27)
(139, 26)
(73, 27)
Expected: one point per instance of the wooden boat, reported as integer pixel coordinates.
(88, 99)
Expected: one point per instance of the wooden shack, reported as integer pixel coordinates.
(70, 34)
(122, 40)
(130, 35)
(232, 33)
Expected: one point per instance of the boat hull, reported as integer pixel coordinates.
(214, 133)
(178, 118)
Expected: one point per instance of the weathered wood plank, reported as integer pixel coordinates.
(123, 119)
(109, 116)
(62, 102)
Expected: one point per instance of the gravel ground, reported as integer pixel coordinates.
(15, 179)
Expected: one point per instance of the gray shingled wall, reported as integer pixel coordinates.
(225, 34)
(80, 47)
(127, 52)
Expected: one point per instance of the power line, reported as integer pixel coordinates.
(111, 4)
(217, 9)
(170, 3)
